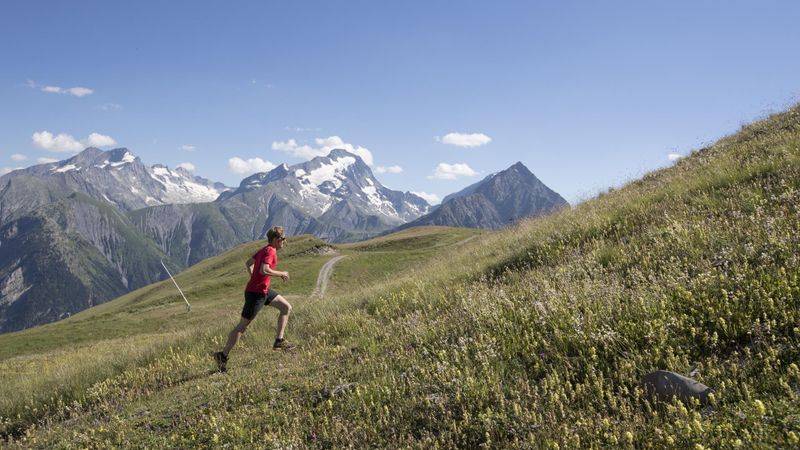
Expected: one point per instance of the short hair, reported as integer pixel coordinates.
(274, 232)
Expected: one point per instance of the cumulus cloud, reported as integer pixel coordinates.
(322, 148)
(465, 139)
(18, 157)
(390, 169)
(188, 148)
(64, 142)
(674, 156)
(44, 160)
(187, 166)
(74, 91)
(446, 171)
(61, 143)
(301, 151)
(430, 198)
(98, 140)
(250, 166)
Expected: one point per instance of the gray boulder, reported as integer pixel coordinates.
(663, 385)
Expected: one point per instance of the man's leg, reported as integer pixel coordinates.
(285, 308)
(235, 334)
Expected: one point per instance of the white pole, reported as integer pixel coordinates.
(188, 306)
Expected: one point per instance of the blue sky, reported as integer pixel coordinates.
(586, 94)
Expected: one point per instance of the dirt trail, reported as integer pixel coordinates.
(327, 269)
(324, 276)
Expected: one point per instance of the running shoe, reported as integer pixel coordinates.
(282, 344)
(222, 361)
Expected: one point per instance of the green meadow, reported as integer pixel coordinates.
(534, 336)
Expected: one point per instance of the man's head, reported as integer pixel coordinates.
(276, 237)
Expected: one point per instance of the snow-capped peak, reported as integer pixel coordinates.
(179, 186)
(333, 172)
(340, 178)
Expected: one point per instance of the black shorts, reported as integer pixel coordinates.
(254, 301)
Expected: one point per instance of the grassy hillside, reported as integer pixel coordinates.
(535, 336)
(43, 369)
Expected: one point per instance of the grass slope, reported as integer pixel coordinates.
(531, 337)
(44, 369)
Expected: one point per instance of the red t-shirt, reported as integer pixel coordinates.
(260, 283)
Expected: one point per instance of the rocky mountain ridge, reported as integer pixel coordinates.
(498, 200)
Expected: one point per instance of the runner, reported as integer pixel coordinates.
(257, 294)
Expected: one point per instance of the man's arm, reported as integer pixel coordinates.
(266, 270)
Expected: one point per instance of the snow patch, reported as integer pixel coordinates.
(66, 168)
(330, 172)
(126, 158)
(181, 189)
(162, 171)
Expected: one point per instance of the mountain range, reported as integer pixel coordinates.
(82, 231)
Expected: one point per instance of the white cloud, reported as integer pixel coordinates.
(6, 170)
(61, 143)
(44, 160)
(98, 140)
(300, 151)
(79, 91)
(18, 157)
(75, 91)
(188, 148)
(390, 169)
(187, 165)
(110, 107)
(430, 198)
(324, 146)
(66, 143)
(248, 167)
(674, 156)
(446, 171)
(465, 140)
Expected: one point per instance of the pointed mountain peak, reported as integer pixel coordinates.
(86, 156)
(515, 171)
(519, 167)
(120, 155)
(338, 153)
(90, 152)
